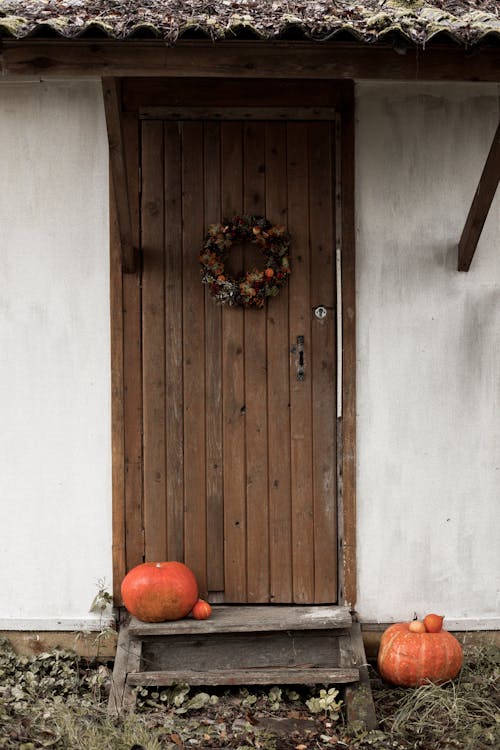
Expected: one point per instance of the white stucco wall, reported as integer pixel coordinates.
(428, 350)
(55, 456)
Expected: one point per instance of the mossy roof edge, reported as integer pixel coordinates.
(465, 21)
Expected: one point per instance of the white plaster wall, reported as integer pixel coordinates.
(55, 456)
(428, 353)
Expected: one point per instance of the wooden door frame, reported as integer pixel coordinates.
(122, 116)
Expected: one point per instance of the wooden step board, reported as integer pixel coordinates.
(237, 645)
(253, 619)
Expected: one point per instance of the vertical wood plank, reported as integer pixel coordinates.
(153, 340)
(278, 386)
(195, 547)
(174, 398)
(348, 468)
(213, 385)
(132, 365)
(323, 361)
(117, 405)
(256, 384)
(300, 391)
(235, 566)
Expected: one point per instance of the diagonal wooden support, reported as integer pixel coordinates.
(118, 166)
(481, 204)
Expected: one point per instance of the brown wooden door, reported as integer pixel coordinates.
(239, 454)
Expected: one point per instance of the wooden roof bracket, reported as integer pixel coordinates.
(481, 204)
(118, 167)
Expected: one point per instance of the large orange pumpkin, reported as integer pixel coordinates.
(411, 659)
(155, 592)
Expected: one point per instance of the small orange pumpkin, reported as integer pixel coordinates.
(417, 626)
(433, 623)
(201, 610)
(410, 659)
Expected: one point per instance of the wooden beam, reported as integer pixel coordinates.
(237, 113)
(112, 106)
(269, 676)
(483, 198)
(328, 60)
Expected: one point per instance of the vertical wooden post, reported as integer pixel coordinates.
(118, 166)
(117, 407)
(348, 426)
(126, 381)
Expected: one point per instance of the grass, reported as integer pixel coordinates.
(57, 701)
(464, 712)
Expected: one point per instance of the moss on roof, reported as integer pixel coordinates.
(466, 21)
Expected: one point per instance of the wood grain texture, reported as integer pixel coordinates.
(140, 94)
(228, 651)
(117, 405)
(277, 59)
(348, 447)
(127, 660)
(246, 495)
(213, 384)
(118, 168)
(269, 676)
(300, 390)
(132, 378)
(153, 340)
(358, 695)
(256, 406)
(278, 383)
(195, 545)
(254, 618)
(323, 359)
(233, 378)
(237, 113)
(173, 345)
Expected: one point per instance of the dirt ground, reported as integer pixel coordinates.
(59, 701)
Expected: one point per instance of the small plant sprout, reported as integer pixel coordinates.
(326, 702)
(102, 605)
(103, 600)
(275, 697)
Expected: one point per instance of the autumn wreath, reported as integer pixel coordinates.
(253, 287)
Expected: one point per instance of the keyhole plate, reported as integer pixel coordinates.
(320, 312)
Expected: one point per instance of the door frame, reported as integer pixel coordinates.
(124, 100)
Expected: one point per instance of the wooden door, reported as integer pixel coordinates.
(239, 453)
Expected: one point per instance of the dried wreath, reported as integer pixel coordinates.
(253, 287)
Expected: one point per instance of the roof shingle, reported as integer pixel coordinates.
(466, 21)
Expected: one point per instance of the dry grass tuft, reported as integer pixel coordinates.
(464, 712)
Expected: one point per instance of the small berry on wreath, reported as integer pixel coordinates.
(252, 288)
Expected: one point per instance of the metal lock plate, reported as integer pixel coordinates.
(320, 312)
